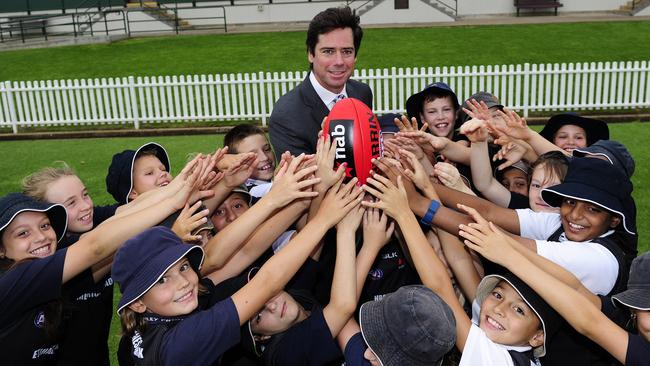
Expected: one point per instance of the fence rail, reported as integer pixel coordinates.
(250, 96)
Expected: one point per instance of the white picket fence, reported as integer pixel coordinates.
(243, 96)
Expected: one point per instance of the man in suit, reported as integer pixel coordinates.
(333, 40)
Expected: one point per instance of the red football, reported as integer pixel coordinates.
(355, 132)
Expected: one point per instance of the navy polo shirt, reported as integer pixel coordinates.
(306, 343)
(638, 351)
(354, 351)
(25, 292)
(199, 338)
(89, 308)
(518, 201)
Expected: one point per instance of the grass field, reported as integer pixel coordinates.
(91, 157)
(280, 51)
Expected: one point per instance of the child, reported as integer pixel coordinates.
(247, 138)
(133, 173)
(513, 320)
(412, 326)
(91, 293)
(33, 271)
(437, 106)
(567, 295)
(158, 279)
(570, 131)
(296, 330)
(515, 177)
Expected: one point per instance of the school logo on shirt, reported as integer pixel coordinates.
(137, 343)
(390, 255)
(376, 274)
(39, 320)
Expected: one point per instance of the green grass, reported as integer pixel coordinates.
(280, 51)
(91, 157)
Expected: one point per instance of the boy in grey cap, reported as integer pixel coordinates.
(412, 326)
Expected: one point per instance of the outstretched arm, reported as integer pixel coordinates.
(561, 290)
(289, 185)
(282, 266)
(343, 298)
(432, 272)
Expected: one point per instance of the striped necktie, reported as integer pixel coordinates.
(336, 100)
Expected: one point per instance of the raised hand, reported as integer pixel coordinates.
(376, 230)
(188, 220)
(240, 170)
(292, 183)
(404, 124)
(352, 220)
(485, 238)
(418, 175)
(475, 130)
(392, 199)
(427, 141)
(339, 200)
(449, 175)
(511, 152)
(188, 184)
(408, 144)
(478, 111)
(325, 152)
(515, 126)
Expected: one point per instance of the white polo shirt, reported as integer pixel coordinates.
(593, 264)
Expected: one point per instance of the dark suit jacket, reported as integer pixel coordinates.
(297, 116)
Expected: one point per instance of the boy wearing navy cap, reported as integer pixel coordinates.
(437, 105)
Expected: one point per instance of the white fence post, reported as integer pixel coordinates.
(8, 101)
(134, 103)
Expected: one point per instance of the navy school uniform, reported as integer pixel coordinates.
(199, 338)
(354, 351)
(569, 347)
(88, 310)
(25, 292)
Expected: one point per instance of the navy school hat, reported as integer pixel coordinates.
(145, 258)
(594, 128)
(595, 181)
(614, 151)
(549, 318)
(13, 204)
(412, 326)
(415, 101)
(119, 180)
(637, 295)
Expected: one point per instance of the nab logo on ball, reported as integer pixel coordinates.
(355, 132)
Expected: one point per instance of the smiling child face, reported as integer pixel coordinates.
(507, 319)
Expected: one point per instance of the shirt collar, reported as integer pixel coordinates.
(325, 95)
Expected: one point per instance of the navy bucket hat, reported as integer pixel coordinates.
(412, 326)
(13, 204)
(637, 295)
(595, 181)
(119, 180)
(145, 258)
(594, 128)
(414, 102)
(549, 318)
(614, 151)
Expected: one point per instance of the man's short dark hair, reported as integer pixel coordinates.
(238, 133)
(331, 19)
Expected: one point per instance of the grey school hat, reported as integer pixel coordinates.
(615, 152)
(637, 295)
(412, 326)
